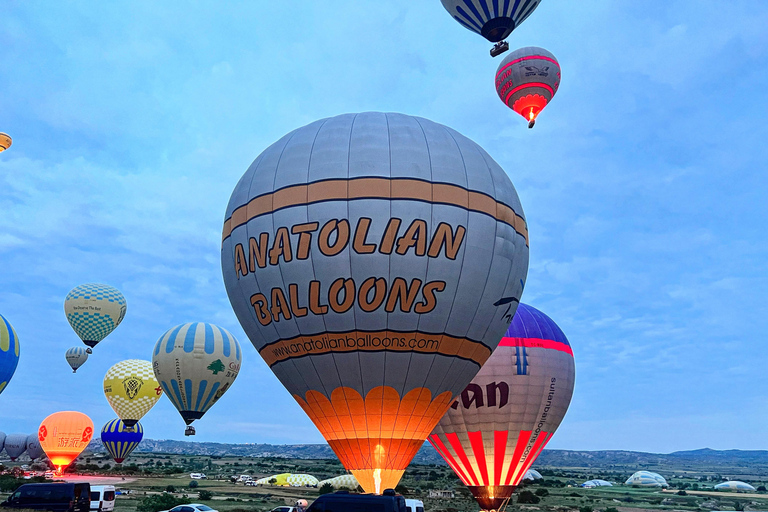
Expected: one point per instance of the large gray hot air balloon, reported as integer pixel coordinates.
(2, 440)
(34, 450)
(492, 19)
(15, 445)
(503, 419)
(374, 260)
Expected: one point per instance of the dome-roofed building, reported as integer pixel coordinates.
(646, 479)
(735, 485)
(589, 484)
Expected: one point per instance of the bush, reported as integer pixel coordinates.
(528, 497)
(585, 508)
(761, 488)
(401, 489)
(682, 493)
(205, 495)
(611, 509)
(325, 489)
(159, 502)
(193, 484)
(170, 488)
(542, 492)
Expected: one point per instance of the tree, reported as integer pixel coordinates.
(528, 497)
(761, 488)
(170, 488)
(586, 508)
(193, 484)
(682, 493)
(205, 495)
(216, 367)
(401, 489)
(326, 488)
(542, 492)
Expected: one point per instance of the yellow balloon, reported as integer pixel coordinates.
(131, 389)
(5, 141)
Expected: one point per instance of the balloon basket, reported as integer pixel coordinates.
(189, 431)
(499, 48)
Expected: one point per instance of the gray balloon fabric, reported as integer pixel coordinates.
(15, 445)
(362, 255)
(494, 20)
(34, 450)
(527, 79)
(493, 432)
(2, 441)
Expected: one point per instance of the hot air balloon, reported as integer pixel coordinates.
(34, 450)
(119, 440)
(76, 357)
(526, 81)
(494, 20)
(5, 141)
(502, 420)
(64, 435)
(15, 445)
(361, 254)
(131, 389)
(196, 363)
(2, 441)
(94, 311)
(9, 352)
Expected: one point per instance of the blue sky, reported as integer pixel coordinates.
(643, 184)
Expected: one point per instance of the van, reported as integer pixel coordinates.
(244, 478)
(414, 505)
(63, 497)
(103, 498)
(198, 476)
(344, 501)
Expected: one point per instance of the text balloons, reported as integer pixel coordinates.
(119, 440)
(34, 450)
(5, 141)
(526, 81)
(9, 352)
(196, 363)
(15, 445)
(64, 435)
(94, 310)
(361, 254)
(503, 419)
(131, 389)
(76, 357)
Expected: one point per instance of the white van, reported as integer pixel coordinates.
(244, 478)
(198, 476)
(103, 498)
(414, 505)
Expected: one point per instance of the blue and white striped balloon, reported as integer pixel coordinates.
(76, 357)
(9, 352)
(119, 440)
(195, 364)
(494, 20)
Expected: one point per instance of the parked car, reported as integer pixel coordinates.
(414, 505)
(251, 483)
(103, 498)
(61, 497)
(284, 509)
(244, 478)
(192, 507)
(344, 501)
(198, 476)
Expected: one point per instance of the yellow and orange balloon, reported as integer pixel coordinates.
(64, 435)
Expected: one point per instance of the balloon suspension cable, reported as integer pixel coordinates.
(499, 48)
(504, 504)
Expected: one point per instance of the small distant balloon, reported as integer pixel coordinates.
(9, 352)
(196, 363)
(64, 435)
(527, 80)
(34, 450)
(15, 445)
(119, 440)
(5, 141)
(94, 311)
(131, 389)
(76, 357)
(491, 19)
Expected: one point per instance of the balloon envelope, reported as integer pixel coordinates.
(527, 79)
(5, 141)
(196, 363)
(34, 450)
(2, 441)
(361, 254)
(94, 310)
(9, 352)
(64, 435)
(494, 20)
(76, 357)
(119, 441)
(15, 445)
(131, 389)
(500, 423)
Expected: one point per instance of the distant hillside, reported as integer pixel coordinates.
(617, 459)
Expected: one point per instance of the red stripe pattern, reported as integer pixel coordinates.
(536, 343)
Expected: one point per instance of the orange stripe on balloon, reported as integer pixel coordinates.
(522, 441)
